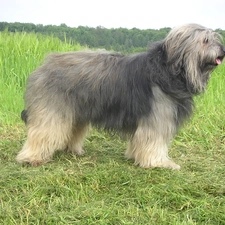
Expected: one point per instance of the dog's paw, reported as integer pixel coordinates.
(169, 164)
(76, 151)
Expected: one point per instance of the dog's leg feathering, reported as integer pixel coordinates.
(149, 152)
(75, 144)
(46, 134)
(148, 146)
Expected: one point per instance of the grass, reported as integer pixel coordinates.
(101, 187)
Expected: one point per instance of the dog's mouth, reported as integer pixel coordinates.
(219, 60)
(221, 56)
(211, 65)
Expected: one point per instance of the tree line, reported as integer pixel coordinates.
(117, 39)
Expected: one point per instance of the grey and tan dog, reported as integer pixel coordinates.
(146, 96)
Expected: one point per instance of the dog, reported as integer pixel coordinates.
(146, 96)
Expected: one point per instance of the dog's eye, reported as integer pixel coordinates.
(206, 40)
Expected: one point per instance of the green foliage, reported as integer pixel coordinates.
(120, 39)
(101, 187)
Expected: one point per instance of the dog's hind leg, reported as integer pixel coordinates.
(47, 132)
(75, 143)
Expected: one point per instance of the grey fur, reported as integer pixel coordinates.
(146, 95)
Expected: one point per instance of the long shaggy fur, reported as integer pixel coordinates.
(146, 95)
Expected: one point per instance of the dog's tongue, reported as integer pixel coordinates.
(218, 61)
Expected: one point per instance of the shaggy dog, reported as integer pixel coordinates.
(146, 96)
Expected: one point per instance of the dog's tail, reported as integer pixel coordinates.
(24, 116)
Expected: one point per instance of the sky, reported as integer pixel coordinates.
(142, 14)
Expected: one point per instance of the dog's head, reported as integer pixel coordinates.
(194, 51)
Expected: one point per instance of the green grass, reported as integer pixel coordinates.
(101, 187)
(20, 54)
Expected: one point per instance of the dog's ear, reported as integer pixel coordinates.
(175, 62)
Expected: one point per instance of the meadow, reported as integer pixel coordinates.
(101, 187)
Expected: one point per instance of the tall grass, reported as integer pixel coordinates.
(101, 187)
(20, 54)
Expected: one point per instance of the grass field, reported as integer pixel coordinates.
(101, 187)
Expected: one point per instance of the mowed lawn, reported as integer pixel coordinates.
(102, 187)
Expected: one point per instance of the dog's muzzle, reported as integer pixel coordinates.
(220, 58)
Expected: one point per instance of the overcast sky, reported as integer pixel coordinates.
(142, 14)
